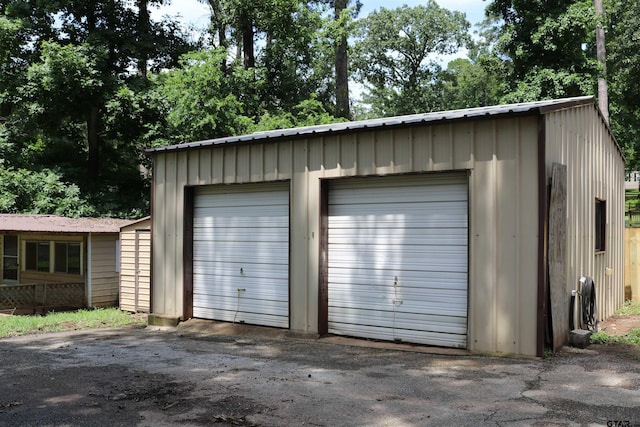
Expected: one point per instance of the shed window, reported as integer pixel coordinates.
(10, 258)
(601, 221)
(37, 256)
(67, 258)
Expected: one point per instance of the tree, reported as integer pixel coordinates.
(44, 192)
(199, 99)
(549, 46)
(341, 32)
(623, 63)
(393, 55)
(472, 83)
(64, 65)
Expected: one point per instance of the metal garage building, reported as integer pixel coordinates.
(428, 228)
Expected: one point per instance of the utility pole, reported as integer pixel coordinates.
(601, 55)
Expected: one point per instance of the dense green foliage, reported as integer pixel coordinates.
(86, 87)
(393, 56)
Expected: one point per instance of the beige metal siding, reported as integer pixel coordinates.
(504, 236)
(502, 157)
(135, 266)
(104, 278)
(595, 169)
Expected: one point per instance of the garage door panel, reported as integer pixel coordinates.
(208, 268)
(234, 198)
(398, 259)
(245, 317)
(400, 193)
(381, 261)
(230, 285)
(457, 307)
(241, 254)
(258, 305)
(375, 217)
(430, 279)
(403, 323)
(248, 234)
(387, 238)
(346, 296)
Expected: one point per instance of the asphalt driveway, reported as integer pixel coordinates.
(193, 376)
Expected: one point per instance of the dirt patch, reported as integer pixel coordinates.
(620, 325)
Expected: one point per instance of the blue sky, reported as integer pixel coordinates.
(197, 13)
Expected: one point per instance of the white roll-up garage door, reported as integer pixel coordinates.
(397, 259)
(241, 254)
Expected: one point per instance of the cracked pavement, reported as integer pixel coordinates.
(253, 377)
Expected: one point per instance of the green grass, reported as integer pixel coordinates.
(11, 326)
(601, 337)
(632, 199)
(628, 308)
(632, 203)
(633, 337)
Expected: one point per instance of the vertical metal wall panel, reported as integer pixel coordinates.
(506, 185)
(365, 154)
(217, 166)
(241, 254)
(230, 162)
(578, 138)
(461, 138)
(204, 167)
(299, 236)
(504, 236)
(402, 147)
(348, 155)
(243, 164)
(193, 171)
(442, 148)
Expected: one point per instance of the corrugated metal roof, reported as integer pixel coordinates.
(59, 224)
(540, 107)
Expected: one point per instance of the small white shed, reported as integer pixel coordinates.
(135, 266)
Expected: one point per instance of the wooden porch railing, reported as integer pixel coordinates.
(49, 295)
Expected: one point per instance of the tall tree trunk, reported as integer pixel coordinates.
(93, 142)
(219, 28)
(143, 37)
(601, 54)
(341, 65)
(246, 28)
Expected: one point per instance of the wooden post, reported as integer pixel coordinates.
(560, 291)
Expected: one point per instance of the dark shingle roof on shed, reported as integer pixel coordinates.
(59, 224)
(539, 107)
